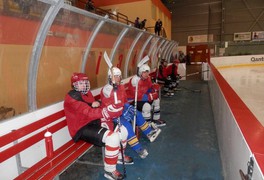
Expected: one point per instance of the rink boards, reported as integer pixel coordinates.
(237, 99)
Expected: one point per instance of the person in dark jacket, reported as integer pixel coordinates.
(158, 27)
(143, 24)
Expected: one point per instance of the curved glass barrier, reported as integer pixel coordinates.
(43, 42)
(19, 26)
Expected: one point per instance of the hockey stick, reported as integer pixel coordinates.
(156, 81)
(157, 69)
(143, 61)
(195, 73)
(188, 89)
(192, 74)
(192, 90)
(135, 107)
(157, 74)
(110, 65)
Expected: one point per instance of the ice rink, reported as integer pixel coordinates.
(248, 82)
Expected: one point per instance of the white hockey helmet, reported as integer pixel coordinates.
(143, 68)
(114, 71)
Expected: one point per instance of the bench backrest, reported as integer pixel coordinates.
(35, 128)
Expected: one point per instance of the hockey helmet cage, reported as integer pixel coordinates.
(77, 79)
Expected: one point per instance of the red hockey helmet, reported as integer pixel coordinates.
(80, 82)
(78, 77)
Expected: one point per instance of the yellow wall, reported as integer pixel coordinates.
(143, 10)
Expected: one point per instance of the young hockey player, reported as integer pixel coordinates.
(83, 116)
(148, 101)
(172, 71)
(107, 97)
(164, 78)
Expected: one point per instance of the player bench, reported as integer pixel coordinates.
(16, 144)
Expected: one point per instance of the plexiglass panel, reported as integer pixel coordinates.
(43, 42)
(123, 49)
(104, 42)
(62, 55)
(19, 24)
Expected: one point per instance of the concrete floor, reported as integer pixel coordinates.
(186, 149)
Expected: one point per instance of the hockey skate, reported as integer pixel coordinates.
(127, 159)
(177, 89)
(168, 94)
(159, 123)
(171, 92)
(143, 153)
(115, 175)
(153, 134)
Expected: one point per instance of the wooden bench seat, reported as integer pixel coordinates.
(48, 168)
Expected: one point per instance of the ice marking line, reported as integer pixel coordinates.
(239, 65)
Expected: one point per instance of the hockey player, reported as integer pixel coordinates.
(83, 116)
(107, 97)
(164, 78)
(172, 71)
(148, 101)
(161, 70)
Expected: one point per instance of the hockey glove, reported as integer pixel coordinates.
(155, 87)
(112, 111)
(153, 96)
(107, 123)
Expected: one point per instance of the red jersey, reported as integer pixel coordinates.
(107, 95)
(144, 87)
(162, 74)
(172, 70)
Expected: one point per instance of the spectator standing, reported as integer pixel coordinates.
(255, 35)
(182, 57)
(143, 24)
(137, 24)
(90, 6)
(188, 58)
(158, 27)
